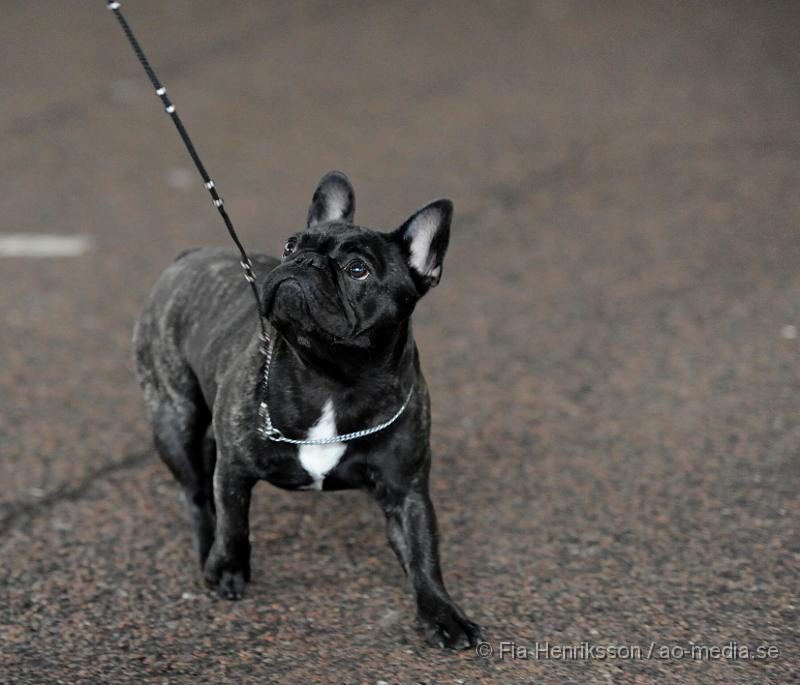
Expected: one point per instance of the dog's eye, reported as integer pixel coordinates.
(357, 269)
(291, 246)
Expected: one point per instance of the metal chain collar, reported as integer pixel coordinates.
(272, 433)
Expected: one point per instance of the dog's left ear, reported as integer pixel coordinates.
(334, 200)
(424, 238)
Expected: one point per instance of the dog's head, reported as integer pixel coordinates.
(342, 288)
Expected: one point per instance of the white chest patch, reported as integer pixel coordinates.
(319, 459)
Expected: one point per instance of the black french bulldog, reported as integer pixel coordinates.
(343, 359)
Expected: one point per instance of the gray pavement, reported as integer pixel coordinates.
(612, 354)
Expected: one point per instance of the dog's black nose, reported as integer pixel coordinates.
(310, 259)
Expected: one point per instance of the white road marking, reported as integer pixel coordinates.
(43, 245)
(319, 459)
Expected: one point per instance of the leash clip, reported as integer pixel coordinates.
(273, 434)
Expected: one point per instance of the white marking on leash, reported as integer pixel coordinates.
(43, 245)
(319, 459)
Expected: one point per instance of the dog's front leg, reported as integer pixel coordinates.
(414, 537)
(227, 568)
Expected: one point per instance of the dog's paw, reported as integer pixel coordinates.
(447, 627)
(229, 580)
(231, 585)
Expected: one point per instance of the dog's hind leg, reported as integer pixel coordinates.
(180, 433)
(177, 409)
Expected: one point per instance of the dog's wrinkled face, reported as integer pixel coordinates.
(342, 287)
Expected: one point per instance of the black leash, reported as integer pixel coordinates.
(161, 91)
(269, 431)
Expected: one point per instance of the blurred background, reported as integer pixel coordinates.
(612, 353)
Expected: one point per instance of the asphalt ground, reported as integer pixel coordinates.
(612, 353)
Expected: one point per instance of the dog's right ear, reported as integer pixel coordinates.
(334, 200)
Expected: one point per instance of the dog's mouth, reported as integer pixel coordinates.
(294, 308)
(284, 298)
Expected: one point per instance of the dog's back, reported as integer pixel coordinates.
(198, 314)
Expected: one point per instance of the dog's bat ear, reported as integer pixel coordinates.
(424, 238)
(334, 200)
